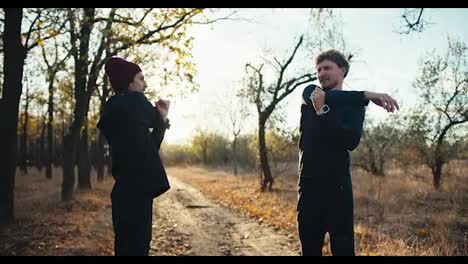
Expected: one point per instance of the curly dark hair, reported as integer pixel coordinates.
(335, 56)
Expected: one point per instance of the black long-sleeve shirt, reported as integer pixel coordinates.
(136, 164)
(326, 139)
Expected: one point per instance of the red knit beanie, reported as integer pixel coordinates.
(120, 73)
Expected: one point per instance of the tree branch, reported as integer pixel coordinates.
(144, 39)
(307, 78)
(228, 17)
(260, 88)
(30, 29)
(123, 20)
(284, 67)
(416, 25)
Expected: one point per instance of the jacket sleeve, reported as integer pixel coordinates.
(159, 128)
(142, 110)
(148, 116)
(345, 131)
(345, 98)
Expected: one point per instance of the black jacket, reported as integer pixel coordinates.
(325, 140)
(136, 165)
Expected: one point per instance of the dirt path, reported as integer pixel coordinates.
(201, 227)
(184, 223)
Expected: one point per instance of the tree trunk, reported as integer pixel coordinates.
(234, 147)
(24, 136)
(72, 142)
(101, 139)
(14, 56)
(80, 110)
(437, 173)
(50, 130)
(204, 154)
(372, 163)
(381, 162)
(68, 183)
(59, 149)
(267, 179)
(41, 158)
(439, 160)
(84, 167)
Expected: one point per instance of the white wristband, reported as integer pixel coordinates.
(323, 110)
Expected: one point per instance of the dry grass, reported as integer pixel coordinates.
(397, 215)
(46, 226)
(406, 216)
(400, 214)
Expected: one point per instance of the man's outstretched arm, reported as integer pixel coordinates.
(345, 98)
(383, 100)
(352, 98)
(348, 132)
(336, 97)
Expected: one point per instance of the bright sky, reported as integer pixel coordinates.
(387, 62)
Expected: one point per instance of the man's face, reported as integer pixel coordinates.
(329, 74)
(138, 84)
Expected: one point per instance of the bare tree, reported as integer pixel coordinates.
(24, 153)
(443, 85)
(233, 111)
(377, 146)
(15, 50)
(103, 94)
(266, 97)
(55, 59)
(237, 116)
(201, 142)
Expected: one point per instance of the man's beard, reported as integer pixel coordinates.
(330, 85)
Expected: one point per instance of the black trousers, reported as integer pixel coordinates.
(132, 221)
(322, 209)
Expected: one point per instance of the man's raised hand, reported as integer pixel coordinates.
(383, 100)
(318, 98)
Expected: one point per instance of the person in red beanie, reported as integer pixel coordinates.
(137, 168)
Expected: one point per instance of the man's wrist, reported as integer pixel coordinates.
(323, 110)
(317, 105)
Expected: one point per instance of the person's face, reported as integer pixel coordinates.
(329, 74)
(138, 84)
